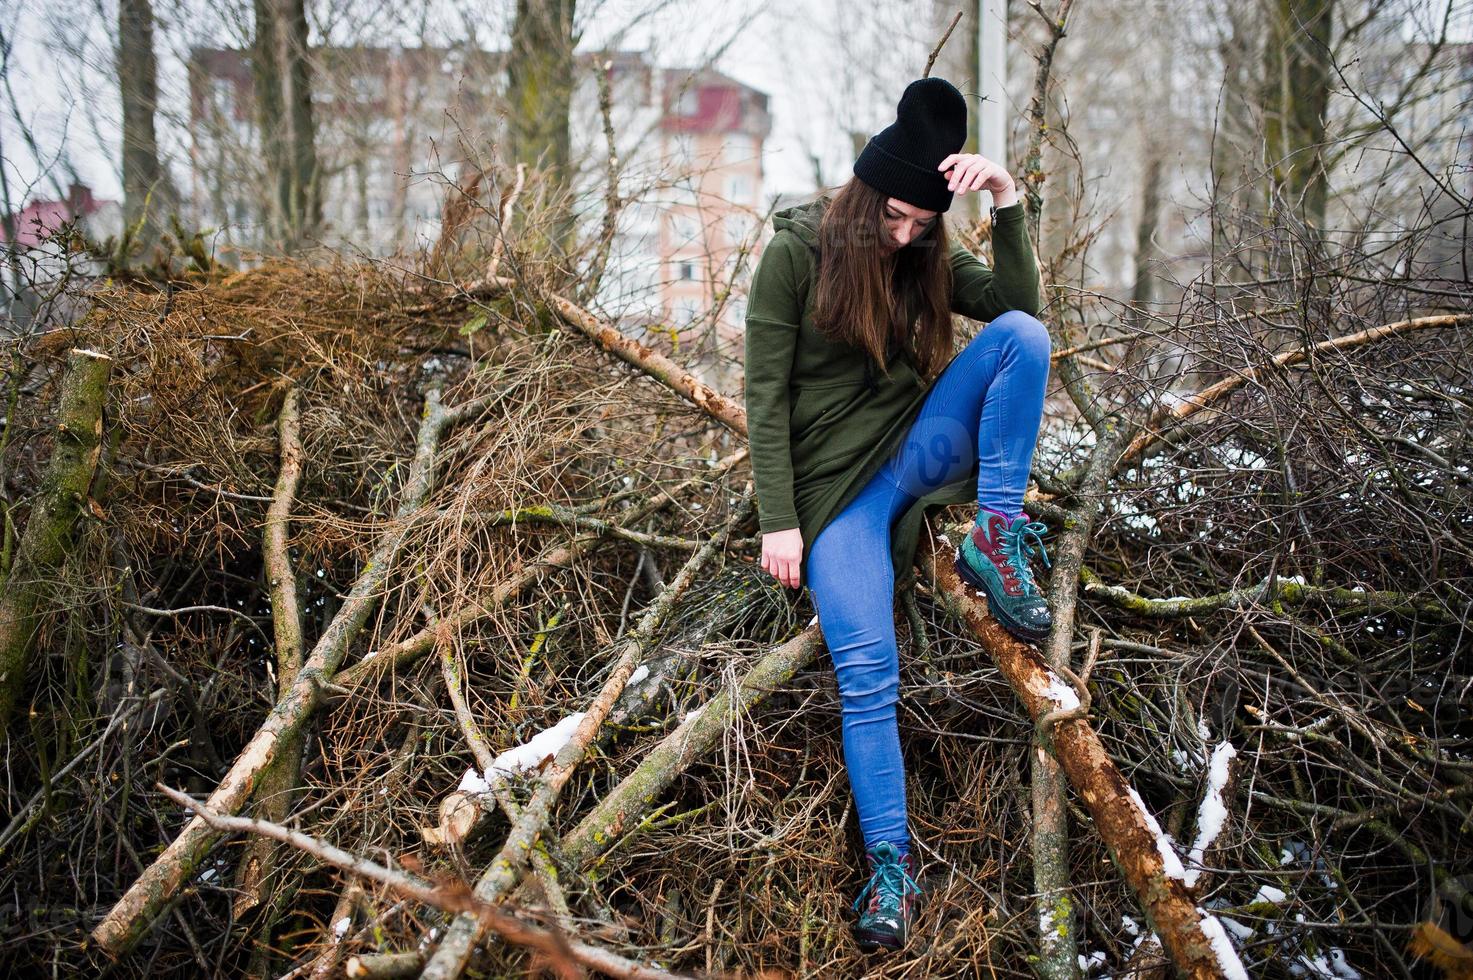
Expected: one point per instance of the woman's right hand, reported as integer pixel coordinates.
(782, 554)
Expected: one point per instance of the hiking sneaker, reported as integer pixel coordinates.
(994, 558)
(887, 905)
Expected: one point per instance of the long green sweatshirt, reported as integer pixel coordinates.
(821, 420)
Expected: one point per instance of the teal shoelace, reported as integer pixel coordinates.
(892, 882)
(1020, 543)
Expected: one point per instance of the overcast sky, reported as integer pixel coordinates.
(790, 49)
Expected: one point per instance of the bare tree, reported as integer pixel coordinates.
(283, 92)
(1296, 93)
(540, 79)
(148, 193)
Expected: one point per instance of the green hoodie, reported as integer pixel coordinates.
(820, 420)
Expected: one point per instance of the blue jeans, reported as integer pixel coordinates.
(984, 408)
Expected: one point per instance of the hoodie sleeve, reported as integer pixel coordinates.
(984, 294)
(774, 313)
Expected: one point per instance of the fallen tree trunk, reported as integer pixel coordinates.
(135, 912)
(561, 953)
(279, 783)
(48, 533)
(1193, 938)
(1058, 945)
(507, 867)
(1191, 405)
(700, 732)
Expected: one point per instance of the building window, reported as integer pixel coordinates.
(690, 101)
(682, 147)
(367, 88)
(222, 95)
(686, 270)
(735, 227)
(684, 229)
(739, 188)
(740, 148)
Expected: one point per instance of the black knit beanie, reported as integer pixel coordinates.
(900, 161)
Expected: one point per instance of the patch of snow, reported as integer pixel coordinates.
(1311, 966)
(1168, 854)
(1212, 814)
(1236, 928)
(692, 713)
(1046, 922)
(529, 755)
(1061, 693)
(473, 782)
(1094, 961)
(640, 673)
(1222, 947)
(1130, 925)
(1342, 967)
(1297, 852)
(1268, 893)
(814, 620)
(340, 927)
(1294, 851)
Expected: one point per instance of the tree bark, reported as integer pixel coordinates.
(279, 785)
(131, 917)
(1233, 149)
(1296, 94)
(50, 528)
(541, 73)
(148, 194)
(1058, 939)
(282, 76)
(1193, 938)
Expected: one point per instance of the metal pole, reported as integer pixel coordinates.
(992, 81)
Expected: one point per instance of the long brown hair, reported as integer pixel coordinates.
(872, 300)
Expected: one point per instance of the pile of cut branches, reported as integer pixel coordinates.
(357, 623)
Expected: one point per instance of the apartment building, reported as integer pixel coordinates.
(395, 124)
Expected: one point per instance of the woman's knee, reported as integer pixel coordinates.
(867, 669)
(1023, 332)
(867, 692)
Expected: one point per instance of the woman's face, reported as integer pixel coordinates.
(905, 223)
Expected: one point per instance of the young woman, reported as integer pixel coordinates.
(861, 416)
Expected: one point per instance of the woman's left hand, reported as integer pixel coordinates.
(974, 172)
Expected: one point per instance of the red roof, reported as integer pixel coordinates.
(39, 219)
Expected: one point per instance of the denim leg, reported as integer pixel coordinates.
(990, 395)
(853, 586)
(985, 408)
